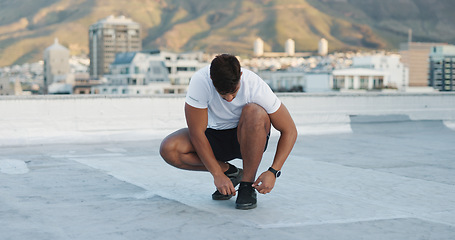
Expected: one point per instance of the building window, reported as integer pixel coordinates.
(338, 82)
(378, 82)
(363, 82)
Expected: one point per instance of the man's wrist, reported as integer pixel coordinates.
(277, 173)
(218, 174)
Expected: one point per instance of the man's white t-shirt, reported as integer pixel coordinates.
(221, 113)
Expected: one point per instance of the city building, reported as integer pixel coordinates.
(6, 87)
(135, 73)
(415, 55)
(296, 80)
(323, 47)
(150, 72)
(442, 68)
(182, 66)
(375, 72)
(358, 79)
(29, 77)
(56, 70)
(284, 81)
(397, 75)
(83, 83)
(108, 37)
(318, 81)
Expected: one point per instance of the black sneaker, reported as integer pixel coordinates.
(246, 198)
(235, 179)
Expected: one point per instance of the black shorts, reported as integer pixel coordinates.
(225, 144)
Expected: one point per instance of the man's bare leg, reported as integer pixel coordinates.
(254, 125)
(177, 150)
(252, 131)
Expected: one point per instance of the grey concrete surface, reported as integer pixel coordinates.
(391, 178)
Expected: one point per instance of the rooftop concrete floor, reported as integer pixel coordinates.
(389, 179)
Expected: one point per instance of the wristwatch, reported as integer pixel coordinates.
(275, 172)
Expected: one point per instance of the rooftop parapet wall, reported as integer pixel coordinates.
(314, 109)
(41, 119)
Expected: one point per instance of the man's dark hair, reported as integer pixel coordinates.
(225, 73)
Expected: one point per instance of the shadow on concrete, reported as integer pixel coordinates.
(395, 124)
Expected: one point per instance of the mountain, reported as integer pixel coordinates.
(214, 26)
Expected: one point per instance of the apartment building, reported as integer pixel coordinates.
(414, 55)
(442, 68)
(108, 37)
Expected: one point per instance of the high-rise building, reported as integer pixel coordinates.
(414, 55)
(442, 68)
(110, 36)
(56, 64)
(290, 47)
(323, 47)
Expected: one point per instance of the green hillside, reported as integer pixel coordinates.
(28, 27)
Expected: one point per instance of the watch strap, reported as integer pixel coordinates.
(277, 173)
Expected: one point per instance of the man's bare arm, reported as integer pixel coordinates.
(197, 124)
(282, 121)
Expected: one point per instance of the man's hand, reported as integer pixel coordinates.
(224, 185)
(265, 183)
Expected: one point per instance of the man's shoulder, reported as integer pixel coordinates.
(247, 71)
(251, 78)
(202, 75)
(204, 71)
(199, 89)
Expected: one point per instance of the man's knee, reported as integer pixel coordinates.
(254, 117)
(173, 146)
(166, 148)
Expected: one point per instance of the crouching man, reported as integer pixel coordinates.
(229, 112)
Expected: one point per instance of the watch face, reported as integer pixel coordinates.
(277, 173)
